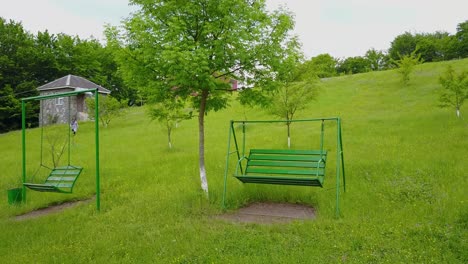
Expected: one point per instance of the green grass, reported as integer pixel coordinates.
(406, 168)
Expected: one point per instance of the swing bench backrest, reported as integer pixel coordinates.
(283, 167)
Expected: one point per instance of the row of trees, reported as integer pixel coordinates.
(430, 47)
(28, 61)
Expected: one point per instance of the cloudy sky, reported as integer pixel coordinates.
(342, 28)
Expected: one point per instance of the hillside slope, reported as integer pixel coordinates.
(406, 176)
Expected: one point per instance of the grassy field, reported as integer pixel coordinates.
(406, 171)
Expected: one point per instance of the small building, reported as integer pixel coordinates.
(57, 110)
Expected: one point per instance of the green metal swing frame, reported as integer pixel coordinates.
(285, 166)
(60, 179)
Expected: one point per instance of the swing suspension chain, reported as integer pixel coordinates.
(322, 130)
(41, 123)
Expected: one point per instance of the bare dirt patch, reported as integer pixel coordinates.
(267, 213)
(49, 210)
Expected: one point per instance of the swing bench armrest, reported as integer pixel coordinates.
(239, 162)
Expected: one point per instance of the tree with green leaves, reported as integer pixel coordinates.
(353, 65)
(323, 65)
(377, 59)
(109, 108)
(454, 89)
(17, 75)
(402, 45)
(462, 39)
(406, 65)
(297, 88)
(192, 49)
(290, 99)
(169, 113)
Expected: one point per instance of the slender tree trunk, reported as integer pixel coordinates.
(289, 134)
(458, 112)
(169, 135)
(201, 140)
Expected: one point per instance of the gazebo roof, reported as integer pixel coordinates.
(74, 82)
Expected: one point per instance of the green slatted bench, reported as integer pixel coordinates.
(60, 179)
(283, 167)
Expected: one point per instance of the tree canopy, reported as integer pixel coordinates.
(192, 49)
(28, 61)
(454, 89)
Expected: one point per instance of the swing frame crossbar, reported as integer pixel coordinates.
(284, 166)
(61, 179)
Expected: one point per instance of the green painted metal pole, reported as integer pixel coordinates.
(96, 125)
(227, 164)
(342, 160)
(23, 144)
(237, 146)
(283, 121)
(243, 140)
(42, 130)
(57, 95)
(338, 129)
(69, 130)
(322, 132)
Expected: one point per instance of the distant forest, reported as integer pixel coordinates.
(28, 61)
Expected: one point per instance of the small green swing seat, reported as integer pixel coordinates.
(60, 180)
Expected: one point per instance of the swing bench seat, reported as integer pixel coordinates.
(60, 179)
(283, 167)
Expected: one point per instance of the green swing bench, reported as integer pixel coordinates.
(60, 179)
(284, 166)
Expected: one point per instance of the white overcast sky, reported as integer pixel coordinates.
(342, 28)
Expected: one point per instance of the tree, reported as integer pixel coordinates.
(323, 65)
(194, 48)
(455, 89)
(377, 59)
(109, 108)
(17, 75)
(462, 37)
(169, 112)
(10, 108)
(296, 90)
(290, 99)
(406, 65)
(402, 45)
(352, 65)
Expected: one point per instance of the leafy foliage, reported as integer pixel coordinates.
(323, 66)
(455, 89)
(436, 46)
(296, 91)
(28, 61)
(378, 60)
(192, 49)
(109, 108)
(354, 65)
(170, 112)
(462, 39)
(406, 65)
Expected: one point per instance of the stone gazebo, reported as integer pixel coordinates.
(56, 110)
